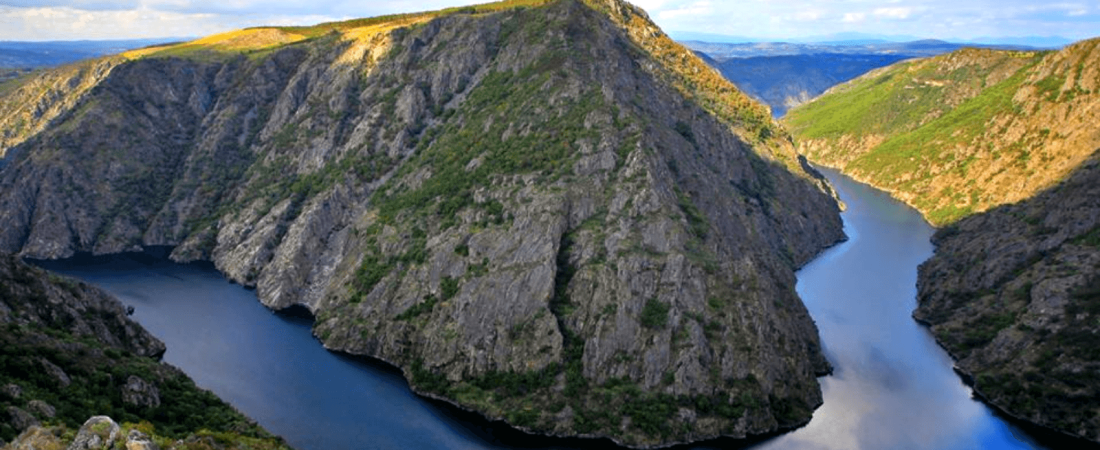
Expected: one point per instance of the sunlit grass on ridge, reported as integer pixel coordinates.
(260, 40)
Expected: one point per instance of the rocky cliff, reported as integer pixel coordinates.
(69, 351)
(1014, 295)
(547, 212)
(960, 133)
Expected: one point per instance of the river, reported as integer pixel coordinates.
(893, 387)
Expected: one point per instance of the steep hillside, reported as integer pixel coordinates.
(1014, 295)
(69, 352)
(784, 82)
(960, 133)
(548, 213)
(29, 102)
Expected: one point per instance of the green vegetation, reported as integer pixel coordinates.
(654, 314)
(923, 129)
(97, 374)
(697, 221)
(501, 99)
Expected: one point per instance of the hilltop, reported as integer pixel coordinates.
(546, 212)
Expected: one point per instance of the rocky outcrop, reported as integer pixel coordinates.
(68, 347)
(98, 432)
(103, 433)
(139, 392)
(554, 216)
(32, 298)
(1013, 294)
(960, 133)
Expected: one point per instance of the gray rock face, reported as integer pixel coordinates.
(41, 409)
(20, 419)
(12, 390)
(57, 373)
(1013, 295)
(137, 440)
(139, 392)
(516, 208)
(99, 432)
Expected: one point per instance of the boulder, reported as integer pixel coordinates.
(98, 432)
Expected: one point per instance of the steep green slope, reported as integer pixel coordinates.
(69, 352)
(28, 103)
(1014, 295)
(960, 133)
(553, 215)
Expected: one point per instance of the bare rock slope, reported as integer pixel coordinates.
(552, 215)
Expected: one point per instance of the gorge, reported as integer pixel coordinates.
(548, 213)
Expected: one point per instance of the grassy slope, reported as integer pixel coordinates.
(960, 133)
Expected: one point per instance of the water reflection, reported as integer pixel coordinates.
(893, 386)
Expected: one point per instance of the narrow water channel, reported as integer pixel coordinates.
(893, 387)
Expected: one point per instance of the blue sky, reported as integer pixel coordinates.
(764, 19)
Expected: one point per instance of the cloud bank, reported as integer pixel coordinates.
(763, 19)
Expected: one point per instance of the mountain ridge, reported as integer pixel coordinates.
(552, 215)
(919, 129)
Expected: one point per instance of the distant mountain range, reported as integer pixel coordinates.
(16, 54)
(783, 82)
(866, 38)
(785, 74)
(927, 47)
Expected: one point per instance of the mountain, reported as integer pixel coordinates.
(930, 47)
(17, 54)
(1013, 294)
(784, 82)
(544, 211)
(999, 149)
(682, 36)
(69, 351)
(960, 133)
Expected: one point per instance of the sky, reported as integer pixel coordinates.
(32, 20)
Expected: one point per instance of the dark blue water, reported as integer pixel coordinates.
(270, 367)
(893, 387)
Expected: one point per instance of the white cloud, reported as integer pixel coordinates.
(808, 16)
(899, 12)
(693, 9)
(63, 23)
(853, 17)
(769, 19)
